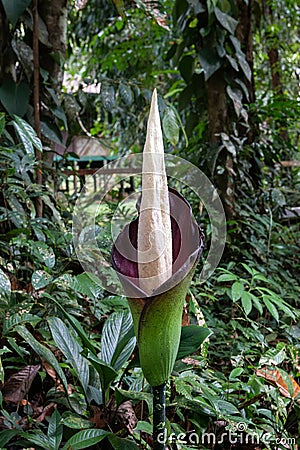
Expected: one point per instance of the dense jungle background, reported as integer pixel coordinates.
(227, 73)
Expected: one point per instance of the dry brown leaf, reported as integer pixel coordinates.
(17, 386)
(275, 377)
(47, 411)
(126, 416)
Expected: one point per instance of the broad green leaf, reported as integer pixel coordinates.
(14, 9)
(15, 97)
(51, 132)
(85, 439)
(171, 126)
(237, 290)
(122, 444)
(126, 94)
(19, 317)
(60, 114)
(244, 65)
(210, 61)
(78, 328)
(122, 395)
(123, 352)
(198, 405)
(246, 302)
(40, 279)
(44, 352)
(89, 284)
(227, 21)
(74, 421)
(55, 430)
(191, 339)
(282, 305)
(236, 97)
(27, 135)
(257, 303)
(236, 372)
(106, 373)
(44, 253)
(225, 408)
(271, 307)
(5, 287)
(115, 329)
(227, 277)
(145, 427)
(2, 122)
(38, 438)
(273, 356)
(6, 436)
(186, 67)
(108, 97)
(70, 348)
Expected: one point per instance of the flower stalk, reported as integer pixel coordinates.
(159, 416)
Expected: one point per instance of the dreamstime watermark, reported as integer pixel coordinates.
(90, 206)
(239, 434)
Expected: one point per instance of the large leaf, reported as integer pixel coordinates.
(39, 439)
(43, 253)
(106, 373)
(27, 135)
(88, 284)
(123, 352)
(247, 302)
(78, 328)
(116, 334)
(71, 349)
(44, 352)
(6, 436)
(186, 67)
(108, 97)
(271, 307)
(14, 9)
(51, 131)
(55, 430)
(85, 439)
(126, 94)
(122, 444)
(191, 339)
(210, 61)
(237, 290)
(40, 279)
(228, 22)
(170, 126)
(136, 396)
(15, 97)
(4, 285)
(74, 421)
(2, 122)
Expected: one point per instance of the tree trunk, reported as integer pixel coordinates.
(274, 61)
(54, 14)
(218, 115)
(4, 43)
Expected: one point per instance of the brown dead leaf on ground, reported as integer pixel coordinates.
(16, 388)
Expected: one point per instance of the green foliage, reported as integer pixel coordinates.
(58, 320)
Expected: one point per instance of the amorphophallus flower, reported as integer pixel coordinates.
(155, 257)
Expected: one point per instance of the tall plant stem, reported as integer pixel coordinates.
(159, 416)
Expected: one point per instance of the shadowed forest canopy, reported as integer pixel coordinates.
(76, 80)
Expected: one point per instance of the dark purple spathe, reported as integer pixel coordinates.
(187, 246)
